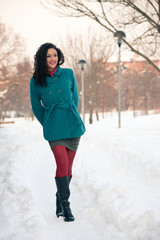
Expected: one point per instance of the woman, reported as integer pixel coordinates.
(54, 100)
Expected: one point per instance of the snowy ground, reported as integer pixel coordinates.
(115, 187)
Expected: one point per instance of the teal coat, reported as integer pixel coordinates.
(56, 106)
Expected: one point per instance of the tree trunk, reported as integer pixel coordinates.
(91, 115)
(97, 115)
(133, 105)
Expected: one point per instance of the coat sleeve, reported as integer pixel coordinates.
(75, 91)
(37, 107)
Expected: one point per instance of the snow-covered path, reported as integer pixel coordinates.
(115, 187)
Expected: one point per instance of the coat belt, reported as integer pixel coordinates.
(67, 106)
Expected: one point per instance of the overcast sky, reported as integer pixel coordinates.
(36, 24)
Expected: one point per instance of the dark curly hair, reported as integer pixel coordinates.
(40, 63)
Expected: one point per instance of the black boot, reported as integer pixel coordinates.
(59, 212)
(64, 193)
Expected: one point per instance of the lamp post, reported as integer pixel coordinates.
(119, 35)
(82, 64)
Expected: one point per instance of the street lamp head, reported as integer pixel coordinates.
(82, 62)
(119, 35)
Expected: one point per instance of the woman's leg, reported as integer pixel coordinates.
(62, 162)
(71, 155)
(62, 182)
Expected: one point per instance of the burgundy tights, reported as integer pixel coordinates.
(64, 160)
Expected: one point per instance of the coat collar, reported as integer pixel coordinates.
(55, 77)
(58, 72)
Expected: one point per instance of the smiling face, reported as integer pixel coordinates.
(52, 59)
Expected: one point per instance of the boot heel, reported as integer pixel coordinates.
(59, 214)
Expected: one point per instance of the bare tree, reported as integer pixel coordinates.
(18, 96)
(131, 92)
(12, 48)
(139, 19)
(140, 87)
(96, 54)
(108, 89)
